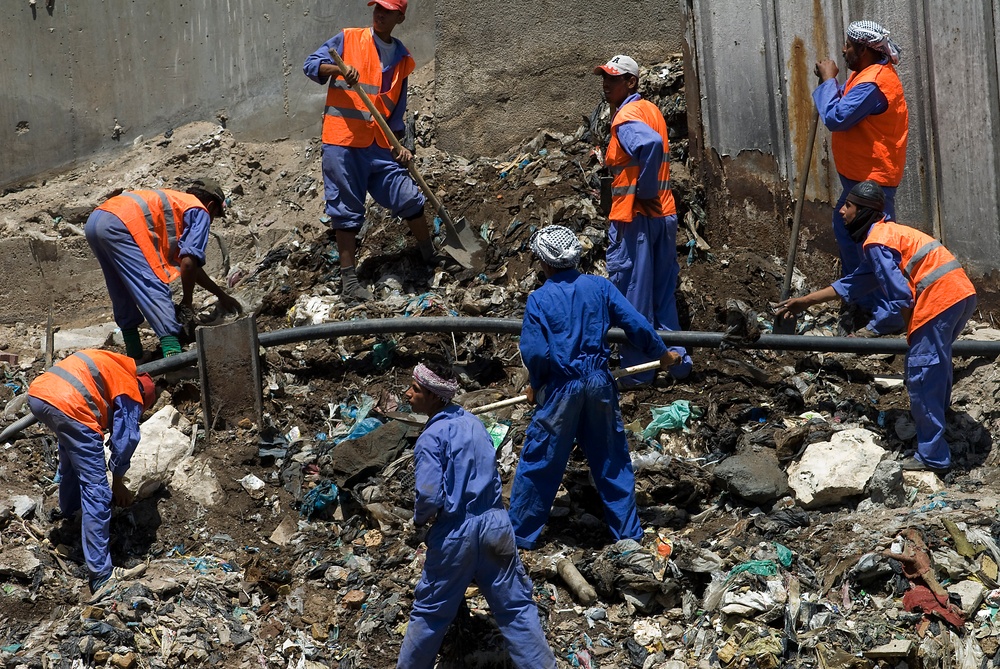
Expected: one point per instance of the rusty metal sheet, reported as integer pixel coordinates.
(229, 365)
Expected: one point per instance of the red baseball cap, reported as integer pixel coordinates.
(391, 5)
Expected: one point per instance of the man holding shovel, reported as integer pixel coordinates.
(869, 126)
(642, 248)
(564, 346)
(920, 279)
(357, 158)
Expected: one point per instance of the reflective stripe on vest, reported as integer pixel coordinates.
(346, 120)
(168, 218)
(934, 275)
(80, 388)
(625, 169)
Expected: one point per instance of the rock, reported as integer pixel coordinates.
(92, 613)
(894, 649)
(126, 661)
(162, 446)
(354, 599)
(284, 531)
(926, 482)
(23, 505)
(832, 471)
(195, 478)
(886, 485)
(754, 474)
(19, 562)
(905, 428)
(971, 593)
(92, 336)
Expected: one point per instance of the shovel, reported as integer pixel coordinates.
(627, 371)
(460, 241)
(786, 324)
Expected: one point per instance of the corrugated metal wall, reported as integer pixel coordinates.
(755, 68)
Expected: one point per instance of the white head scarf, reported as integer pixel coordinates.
(556, 246)
(874, 36)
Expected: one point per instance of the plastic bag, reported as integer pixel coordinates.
(671, 417)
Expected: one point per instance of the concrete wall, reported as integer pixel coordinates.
(68, 74)
(504, 70)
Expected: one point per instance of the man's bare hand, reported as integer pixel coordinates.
(826, 69)
(403, 156)
(350, 75)
(529, 392)
(120, 494)
(669, 359)
(651, 207)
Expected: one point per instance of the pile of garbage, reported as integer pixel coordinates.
(780, 529)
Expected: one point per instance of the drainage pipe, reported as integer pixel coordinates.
(965, 348)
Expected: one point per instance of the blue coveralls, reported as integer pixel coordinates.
(136, 292)
(840, 112)
(564, 347)
(457, 481)
(350, 172)
(928, 361)
(84, 485)
(642, 255)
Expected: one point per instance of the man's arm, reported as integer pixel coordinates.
(895, 286)
(191, 249)
(840, 113)
(638, 330)
(124, 438)
(428, 466)
(319, 66)
(646, 147)
(534, 345)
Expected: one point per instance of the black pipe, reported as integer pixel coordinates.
(368, 326)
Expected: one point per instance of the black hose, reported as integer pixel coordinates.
(962, 349)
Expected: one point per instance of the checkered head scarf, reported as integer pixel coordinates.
(874, 36)
(443, 388)
(556, 246)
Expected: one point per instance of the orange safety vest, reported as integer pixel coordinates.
(625, 169)
(875, 148)
(156, 220)
(347, 121)
(84, 386)
(936, 278)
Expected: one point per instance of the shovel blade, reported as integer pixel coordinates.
(462, 244)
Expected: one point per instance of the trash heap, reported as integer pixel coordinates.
(780, 530)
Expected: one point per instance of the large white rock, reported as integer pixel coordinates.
(831, 471)
(161, 448)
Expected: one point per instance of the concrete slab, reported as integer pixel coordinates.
(229, 365)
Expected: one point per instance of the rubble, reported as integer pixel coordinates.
(780, 531)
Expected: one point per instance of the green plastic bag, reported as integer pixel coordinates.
(671, 417)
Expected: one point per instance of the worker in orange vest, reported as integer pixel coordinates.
(79, 398)
(924, 282)
(869, 122)
(357, 158)
(642, 237)
(146, 239)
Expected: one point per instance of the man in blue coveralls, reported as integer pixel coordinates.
(357, 158)
(78, 399)
(642, 237)
(146, 239)
(564, 346)
(458, 490)
(923, 281)
(869, 125)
